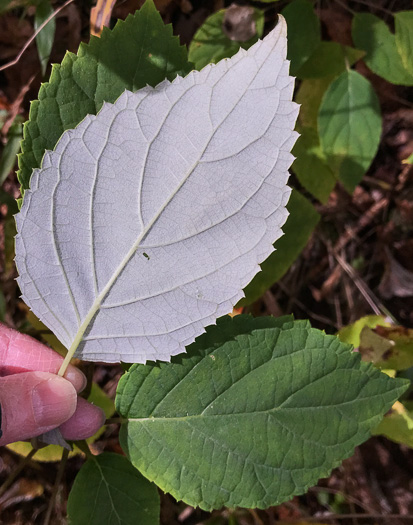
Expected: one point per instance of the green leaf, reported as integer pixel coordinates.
(138, 51)
(329, 58)
(254, 420)
(311, 166)
(44, 39)
(309, 95)
(300, 224)
(108, 490)
(404, 38)
(373, 35)
(397, 425)
(210, 44)
(349, 126)
(12, 147)
(304, 35)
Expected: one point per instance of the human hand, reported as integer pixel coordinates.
(33, 399)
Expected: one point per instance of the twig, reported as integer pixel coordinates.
(375, 304)
(23, 462)
(59, 477)
(346, 496)
(27, 44)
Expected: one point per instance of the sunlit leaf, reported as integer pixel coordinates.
(372, 34)
(148, 220)
(138, 51)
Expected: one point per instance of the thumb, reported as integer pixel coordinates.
(32, 403)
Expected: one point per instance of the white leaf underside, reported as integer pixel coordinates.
(147, 221)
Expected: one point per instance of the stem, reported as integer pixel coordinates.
(84, 447)
(115, 421)
(27, 44)
(59, 477)
(13, 475)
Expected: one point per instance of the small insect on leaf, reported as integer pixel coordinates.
(192, 172)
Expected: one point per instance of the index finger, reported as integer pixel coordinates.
(21, 353)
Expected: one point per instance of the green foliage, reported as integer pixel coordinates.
(397, 425)
(310, 161)
(349, 125)
(304, 32)
(404, 38)
(44, 39)
(329, 58)
(12, 147)
(351, 334)
(310, 56)
(253, 420)
(300, 224)
(81, 83)
(109, 490)
(387, 55)
(211, 44)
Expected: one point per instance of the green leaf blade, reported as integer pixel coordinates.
(210, 44)
(349, 125)
(372, 34)
(44, 39)
(253, 421)
(404, 39)
(82, 82)
(109, 490)
(304, 32)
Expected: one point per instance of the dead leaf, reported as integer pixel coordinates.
(100, 16)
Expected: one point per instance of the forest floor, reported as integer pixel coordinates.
(359, 261)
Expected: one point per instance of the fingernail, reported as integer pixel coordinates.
(76, 377)
(54, 401)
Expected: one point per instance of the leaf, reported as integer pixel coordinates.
(146, 222)
(82, 82)
(329, 59)
(211, 44)
(349, 126)
(44, 39)
(300, 224)
(311, 165)
(304, 33)
(389, 347)
(10, 150)
(309, 95)
(254, 420)
(404, 38)
(372, 35)
(108, 490)
(351, 334)
(397, 425)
